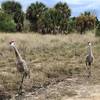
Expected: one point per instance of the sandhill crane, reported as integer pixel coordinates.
(89, 59)
(21, 64)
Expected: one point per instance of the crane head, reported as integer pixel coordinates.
(12, 43)
(89, 43)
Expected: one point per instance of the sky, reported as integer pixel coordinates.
(76, 6)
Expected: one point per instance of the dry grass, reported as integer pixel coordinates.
(48, 57)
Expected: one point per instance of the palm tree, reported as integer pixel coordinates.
(10, 7)
(34, 12)
(64, 9)
(64, 12)
(55, 20)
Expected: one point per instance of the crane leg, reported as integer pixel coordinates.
(89, 71)
(21, 84)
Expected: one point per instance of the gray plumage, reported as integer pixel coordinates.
(89, 58)
(21, 64)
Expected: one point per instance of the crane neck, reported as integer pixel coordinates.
(90, 50)
(18, 56)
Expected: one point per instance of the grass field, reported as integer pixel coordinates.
(50, 59)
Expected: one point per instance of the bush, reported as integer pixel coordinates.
(71, 25)
(97, 33)
(6, 23)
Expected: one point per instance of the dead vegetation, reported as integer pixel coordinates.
(51, 58)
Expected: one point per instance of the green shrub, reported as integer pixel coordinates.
(6, 23)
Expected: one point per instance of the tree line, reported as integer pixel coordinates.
(39, 18)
